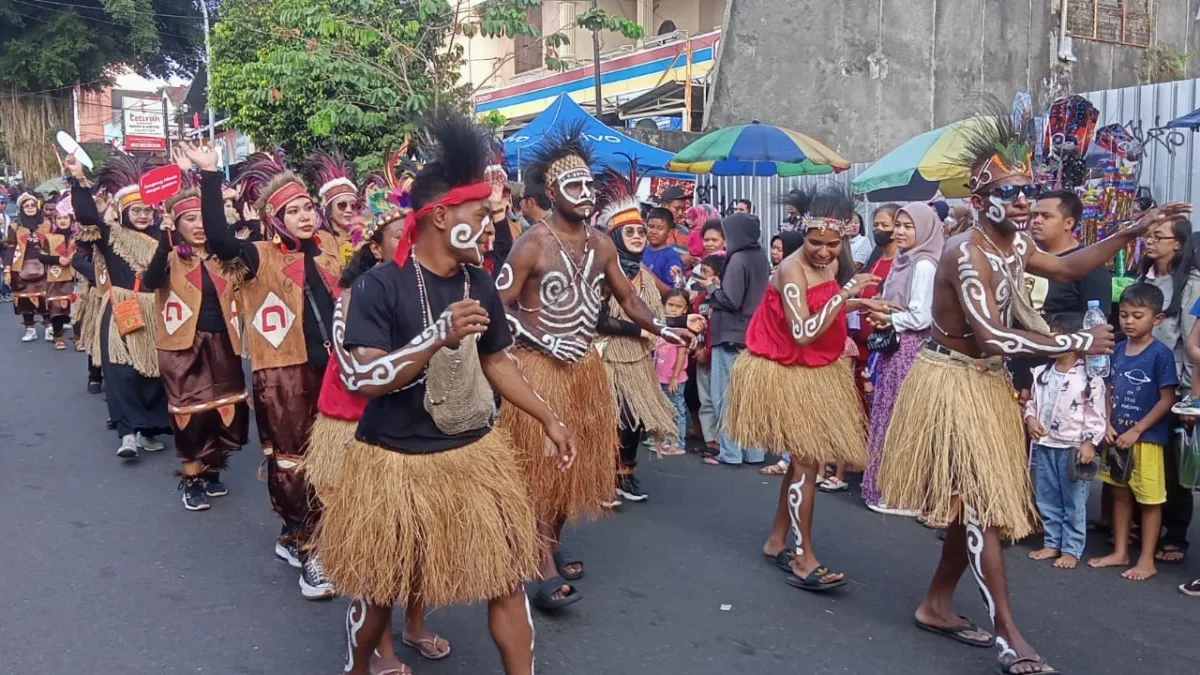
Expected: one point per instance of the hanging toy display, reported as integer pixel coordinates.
(1069, 130)
(1111, 185)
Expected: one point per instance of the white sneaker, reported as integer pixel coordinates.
(149, 443)
(49, 334)
(883, 508)
(30, 334)
(128, 449)
(1188, 406)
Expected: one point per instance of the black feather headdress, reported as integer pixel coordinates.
(265, 181)
(331, 173)
(119, 176)
(616, 198)
(459, 150)
(557, 151)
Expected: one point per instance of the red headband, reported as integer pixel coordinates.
(185, 205)
(456, 196)
(286, 193)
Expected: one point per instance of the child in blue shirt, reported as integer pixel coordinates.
(1143, 391)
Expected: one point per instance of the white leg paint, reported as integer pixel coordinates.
(354, 623)
(795, 499)
(975, 543)
(532, 636)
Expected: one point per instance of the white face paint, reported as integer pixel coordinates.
(580, 176)
(996, 212)
(463, 236)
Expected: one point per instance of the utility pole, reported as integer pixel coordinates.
(212, 122)
(596, 68)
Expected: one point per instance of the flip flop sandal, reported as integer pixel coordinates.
(776, 469)
(834, 485)
(382, 666)
(1047, 669)
(544, 598)
(1191, 588)
(783, 559)
(812, 581)
(956, 632)
(562, 559)
(426, 647)
(1170, 548)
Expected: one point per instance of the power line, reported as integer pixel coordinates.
(99, 9)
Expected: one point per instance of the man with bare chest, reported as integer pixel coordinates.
(955, 449)
(553, 286)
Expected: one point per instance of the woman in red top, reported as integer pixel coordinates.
(793, 349)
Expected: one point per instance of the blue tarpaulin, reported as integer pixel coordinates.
(609, 147)
(1188, 121)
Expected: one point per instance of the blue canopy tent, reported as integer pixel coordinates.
(1188, 121)
(609, 147)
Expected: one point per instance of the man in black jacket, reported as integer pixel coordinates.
(734, 296)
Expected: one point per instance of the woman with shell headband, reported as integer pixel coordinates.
(341, 205)
(287, 285)
(123, 335)
(199, 345)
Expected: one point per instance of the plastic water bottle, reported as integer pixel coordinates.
(1096, 364)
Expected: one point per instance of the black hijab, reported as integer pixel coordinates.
(630, 262)
(30, 222)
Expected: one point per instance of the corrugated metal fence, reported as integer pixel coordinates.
(1171, 176)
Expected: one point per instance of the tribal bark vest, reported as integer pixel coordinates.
(178, 304)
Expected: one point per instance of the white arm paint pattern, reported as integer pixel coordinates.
(973, 294)
(809, 329)
(385, 370)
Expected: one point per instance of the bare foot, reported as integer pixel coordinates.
(1066, 562)
(1043, 554)
(1141, 571)
(1110, 560)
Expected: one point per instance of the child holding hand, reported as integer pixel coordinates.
(1066, 416)
(670, 364)
(1143, 391)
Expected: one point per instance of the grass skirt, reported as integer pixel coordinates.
(579, 393)
(444, 527)
(812, 414)
(326, 447)
(635, 389)
(956, 432)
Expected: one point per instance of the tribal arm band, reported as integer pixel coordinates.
(983, 314)
(635, 308)
(372, 373)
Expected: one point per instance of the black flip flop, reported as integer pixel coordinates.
(562, 559)
(956, 632)
(812, 581)
(1191, 588)
(783, 559)
(1008, 670)
(544, 598)
(1170, 548)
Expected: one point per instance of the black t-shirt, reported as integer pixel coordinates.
(386, 314)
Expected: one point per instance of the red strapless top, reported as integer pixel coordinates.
(770, 332)
(334, 400)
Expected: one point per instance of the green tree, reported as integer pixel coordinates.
(47, 47)
(356, 74)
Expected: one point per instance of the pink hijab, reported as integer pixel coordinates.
(696, 216)
(930, 241)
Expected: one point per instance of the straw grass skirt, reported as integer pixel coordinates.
(444, 527)
(812, 414)
(579, 394)
(326, 446)
(956, 432)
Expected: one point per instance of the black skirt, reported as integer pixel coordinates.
(135, 402)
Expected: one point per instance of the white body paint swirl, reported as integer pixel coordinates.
(795, 499)
(353, 625)
(975, 544)
(995, 211)
(811, 327)
(568, 313)
(463, 236)
(974, 300)
(383, 371)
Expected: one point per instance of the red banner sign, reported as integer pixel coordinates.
(159, 184)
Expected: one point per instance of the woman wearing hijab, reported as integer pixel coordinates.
(907, 310)
(25, 272)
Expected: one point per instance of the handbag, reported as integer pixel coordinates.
(128, 313)
(883, 340)
(1118, 463)
(32, 269)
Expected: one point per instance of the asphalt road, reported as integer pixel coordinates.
(105, 572)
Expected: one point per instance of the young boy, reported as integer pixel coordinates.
(660, 256)
(1143, 390)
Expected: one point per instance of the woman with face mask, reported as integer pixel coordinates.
(123, 241)
(199, 345)
(878, 265)
(25, 270)
(287, 284)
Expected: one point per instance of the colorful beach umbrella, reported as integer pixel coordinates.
(757, 149)
(920, 167)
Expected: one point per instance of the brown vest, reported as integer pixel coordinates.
(274, 304)
(22, 237)
(178, 304)
(62, 247)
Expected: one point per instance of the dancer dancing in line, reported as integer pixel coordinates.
(27, 243)
(60, 274)
(794, 345)
(286, 285)
(426, 478)
(340, 204)
(199, 345)
(553, 287)
(123, 334)
(957, 453)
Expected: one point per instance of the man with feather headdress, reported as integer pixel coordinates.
(957, 453)
(121, 339)
(553, 286)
